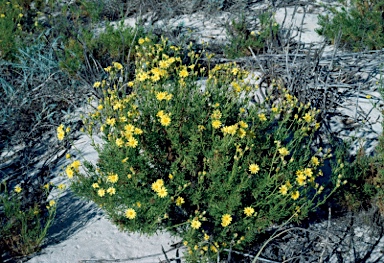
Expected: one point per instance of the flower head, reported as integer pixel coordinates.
(241, 132)
(295, 195)
(230, 129)
(248, 211)
(226, 220)
(262, 117)
(75, 165)
(283, 151)
(18, 189)
(69, 171)
(216, 124)
(52, 203)
(165, 120)
(60, 132)
(111, 190)
(195, 224)
(162, 192)
(308, 172)
(117, 65)
(130, 213)
(161, 95)
(112, 178)
(315, 161)
(216, 114)
(254, 168)
(183, 73)
(300, 177)
(97, 84)
(132, 142)
(307, 117)
(111, 121)
(157, 185)
(179, 201)
(119, 142)
(243, 124)
(283, 189)
(101, 192)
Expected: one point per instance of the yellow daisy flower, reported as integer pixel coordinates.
(183, 73)
(161, 95)
(216, 114)
(300, 179)
(111, 190)
(132, 142)
(157, 185)
(130, 213)
(216, 124)
(308, 172)
(226, 220)
(119, 142)
(283, 151)
(315, 161)
(254, 168)
(248, 211)
(52, 203)
(141, 41)
(69, 172)
(18, 189)
(101, 192)
(165, 120)
(295, 195)
(241, 132)
(243, 124)
(283, 189)
(75, 165)
(195, 224)
(307, 117)
(112, 178)
(262, 117)
(179, 201)
(97, 84)
(162, 192)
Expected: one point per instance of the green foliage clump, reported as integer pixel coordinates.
(364, 180)
(200, 160)
(112, 44)
(22, 228)
(360, 25)
(19, 24)
(11, 14)
(241, 38)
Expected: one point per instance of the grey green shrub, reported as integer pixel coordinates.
(207, 165)
(359, 25)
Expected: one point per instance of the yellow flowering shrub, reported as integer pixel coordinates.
(204, 162)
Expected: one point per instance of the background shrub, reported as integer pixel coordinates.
(241, 38)
(359, 25)
(23, 226)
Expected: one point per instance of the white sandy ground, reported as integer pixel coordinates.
(82, 234)
(100, 240)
